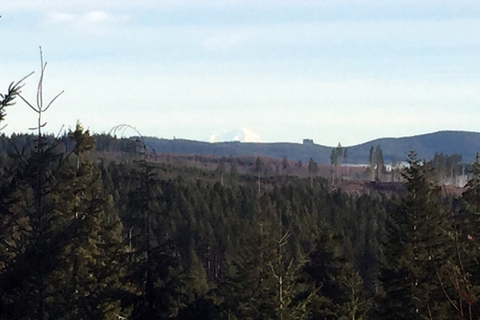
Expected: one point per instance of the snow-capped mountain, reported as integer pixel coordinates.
(242, 135)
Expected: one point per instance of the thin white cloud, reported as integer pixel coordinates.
(59, 17)
(99, 17)
(95, 21)
(92, 17)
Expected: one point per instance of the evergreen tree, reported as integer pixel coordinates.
(418, 248)
(468, 253)
(259, 167)
(14, 224)
(154, 273)
(84, 283)
(62, 265)
(372, 163)
(285, 164)
(262, 281)
(335, 159)
(312, 170)
(324, 270)
(356, 305)
(26, 296)
(220, 171)
(8, 99)
(244, 290)
(380, 163)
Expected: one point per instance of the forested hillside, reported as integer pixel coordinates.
(86, 237)
(463, 143)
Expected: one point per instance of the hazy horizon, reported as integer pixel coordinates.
(345, 71)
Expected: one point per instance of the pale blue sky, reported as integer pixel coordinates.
(335, 71)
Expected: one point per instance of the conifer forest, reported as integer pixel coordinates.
(93, 227)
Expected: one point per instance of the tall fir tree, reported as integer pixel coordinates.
(88, 275)
(468, 247)
(155, 277)
(417, 252)
(36, 171)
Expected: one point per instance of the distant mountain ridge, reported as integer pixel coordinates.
(464, 143)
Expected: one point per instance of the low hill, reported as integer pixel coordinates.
(464, 143)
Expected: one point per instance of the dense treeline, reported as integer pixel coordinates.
(83, 237)
(449, 169)
(130, 240)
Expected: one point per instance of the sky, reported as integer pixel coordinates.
(335, 71)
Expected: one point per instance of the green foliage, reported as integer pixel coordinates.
(357, 305)
(416, 273)
(84, 236)
(8, 99)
